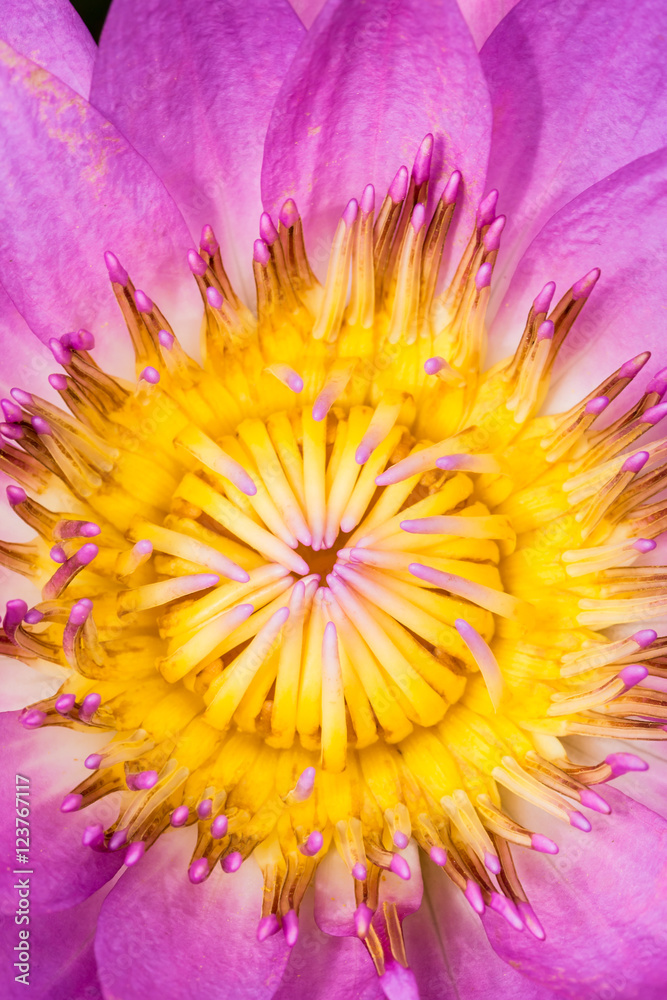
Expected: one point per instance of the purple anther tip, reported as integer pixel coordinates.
(545, 331)
(635, 463)
(145, 779)
(134, 853)
(644, 545)
(493, 234)
(654, 414)
(362, 920)
(399, 186)
(507, 909)
(314, 843)
(367, 203)
(422, 165)
(483, 277)
(142, 302)
(487, 209)
(530, 921)
(12, 413)
(33, 719)
(400, 867)
(219, 826)
(623, 763)
(166, 339)
(295, 382)
(208, 241)
(633, 674)
(58, 554)
(658, 383)
(597, 404)
(198, 871)
(290, 928)
(232, 862)
(634, 365)
(260, 252)
(350, 212)
(592, 800)
(434, 365)
(438, 855)
(473, 894)
(89, 529)
(86, 554)
(83, 340)
(267, 230)
(582, 289)
(93, 835)
(41, 426)
(60, 353)
(16, 495)
(579, 821)
(452, 188)
(543, 844)
(150, 375)
(65, 703)
(179, 816)
(267, 927)
(58, 382)
(22, 397)
(93, 761)
(71, 803)
(143, 547)
(492, 862)
(117, 840)
(214, 297)
(400, 840)
(543, 300)
(91, 703)
(33, 617)
(418, 217)
(15, 613)
(205, 808)
(13, 432)
(116, 271)
(196, 264)
(289, 213)
(360, 872)
(644, 637)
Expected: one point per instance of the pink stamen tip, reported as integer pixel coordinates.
(294, 382)
(81, 340)
(422, 164)
(196, 264)
(117, 840)
(11, 431)
(22, 397)
(434, 365)
(399, 186)
(483, 276)
(658, 383)
(579, 821)
(473, 894)
(487, 209)
(14, 615)
(290, 928)
(634, 365)
(116, 271)
(142, 302)
(93, 761)
(635, 463)
(143, 547)
(41, 426)
(86, 554)
(12, 413)
(418, 217)
(546, 330)
(33, 617)
(65, 703)
(58, 382)
(543, 844)
(33, 719)
(400, 840)
(267, 927)
(350, 212)
(267, 230)
(313, 844)
(582, 289)
(71, 803)
(205, 808)
(58, 554)
(89, 705)
(93, 835)
(166, 339)
(60, 353)
(16, 495)
(362, 454)
(644, 545)
(493, 234)
(89, 529)
(400, 867)
(593, 801)
(145, 780)
(289, 214)
(492, 863)
(623, 763)
(644, 637)
(134, 853)
(452, 188)
(179, 816)
(438, 855)
(232, 862)
(654, 414)
(363, 916)
(219, 826)
(260, 252)
(597, 404)
(633, 674)
(367, 203)
(306, 782)
(150, 375)
(530, 921)
(360, 872)
(198, 871)
(506, 908)
(208, 241)
(543, 300)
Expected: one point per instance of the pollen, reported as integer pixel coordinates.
(339, 585)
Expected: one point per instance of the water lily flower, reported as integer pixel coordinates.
(333, 596)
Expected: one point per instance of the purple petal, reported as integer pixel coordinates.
(96, 194)
(51, 33)
(578, 90)
(186, 940)
(62, 958)
(613, 225)
(368, 83)
(602, 904)
(65, 871)
(192, 86)
(482, 16)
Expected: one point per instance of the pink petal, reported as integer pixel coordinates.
(482, 16)
(51, 33)
(79, 189)
(616, 225)
(368, 83)
(186, 940)
(307, 10)
(578, 90)
(66, 872)
(603, 906)
(192, 86)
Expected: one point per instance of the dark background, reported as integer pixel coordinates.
(93, 13)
